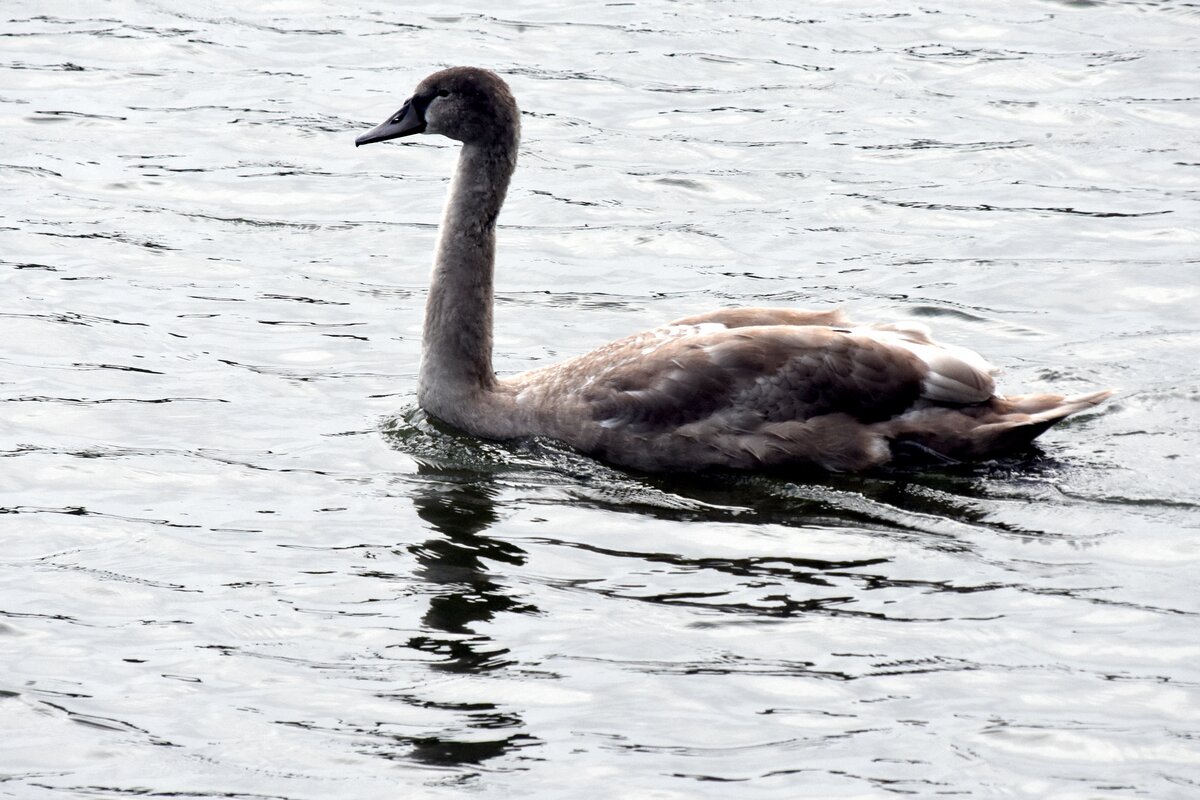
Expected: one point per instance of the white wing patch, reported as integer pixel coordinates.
(955, 374)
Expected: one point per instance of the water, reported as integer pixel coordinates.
(239, 563)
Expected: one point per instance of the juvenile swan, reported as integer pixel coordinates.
(744, 387)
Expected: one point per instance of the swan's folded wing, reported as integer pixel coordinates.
(752, 375)
(756, 317)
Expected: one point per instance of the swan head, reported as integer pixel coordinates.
(471, 105)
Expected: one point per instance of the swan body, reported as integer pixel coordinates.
(744, 388)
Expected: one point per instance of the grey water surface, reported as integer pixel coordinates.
(237, 562)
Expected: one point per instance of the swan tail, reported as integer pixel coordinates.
(1003, 426)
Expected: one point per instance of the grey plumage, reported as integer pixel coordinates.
(743, 388)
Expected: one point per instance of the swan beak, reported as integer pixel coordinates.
(405, 122)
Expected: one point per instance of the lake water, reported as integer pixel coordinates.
(238, 563)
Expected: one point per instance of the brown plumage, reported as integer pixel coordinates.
(744, 388)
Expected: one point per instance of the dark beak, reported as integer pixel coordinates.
(405, 122)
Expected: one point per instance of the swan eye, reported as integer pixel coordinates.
(444, 93)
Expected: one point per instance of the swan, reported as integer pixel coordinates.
(743, 388)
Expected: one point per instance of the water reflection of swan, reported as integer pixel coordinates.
(464, 597)
(745, 388)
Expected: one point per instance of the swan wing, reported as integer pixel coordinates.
(752, 375)
(753, 317)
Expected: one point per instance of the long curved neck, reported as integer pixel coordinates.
(456, 355)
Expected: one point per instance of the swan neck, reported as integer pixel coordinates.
(456, 357)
